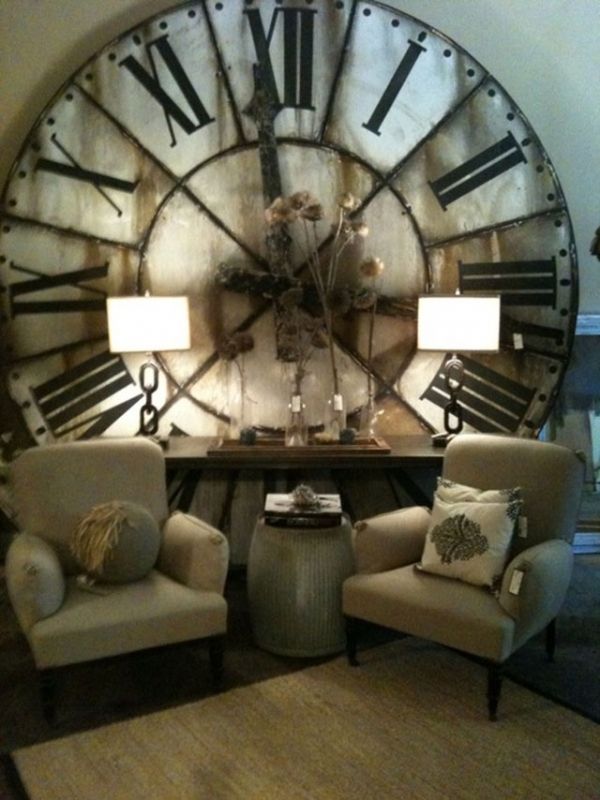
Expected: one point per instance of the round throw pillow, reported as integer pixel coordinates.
(116, 542)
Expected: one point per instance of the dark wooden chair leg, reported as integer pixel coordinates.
(352, 625)
(216, 649)
(551, 640)
(47, 679)
(493, 689)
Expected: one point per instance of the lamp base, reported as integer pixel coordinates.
(442, 439)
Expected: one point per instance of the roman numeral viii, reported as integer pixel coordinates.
(491, 402)
(79, 399)
(521, 283)
(298, 45)
(480, 169)
(151, 83)
(73, 170)
(47, 283)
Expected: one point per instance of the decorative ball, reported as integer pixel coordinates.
(347, 436)
(248, 435)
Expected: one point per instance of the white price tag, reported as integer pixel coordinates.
(522, 533)
(516, 581)
(296, 403)
(518, 341)
(338, 402)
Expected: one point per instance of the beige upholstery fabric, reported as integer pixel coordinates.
(550, 477)
(390, 592)
(34, 578)
(194, 553)
(390, 540)
(147, 613)
(53, 486)
(448, 611)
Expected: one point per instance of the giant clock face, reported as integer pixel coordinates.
(145, 173)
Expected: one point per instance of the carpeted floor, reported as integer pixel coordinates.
(94, 695)
(410, 722)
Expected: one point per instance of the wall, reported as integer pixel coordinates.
(544, 52)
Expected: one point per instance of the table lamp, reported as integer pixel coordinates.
(148, 324)
(457, 323)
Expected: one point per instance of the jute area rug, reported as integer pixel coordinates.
(409, 723)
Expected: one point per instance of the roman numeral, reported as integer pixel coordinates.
(480, 169)
(393, 88)
(298, 46)
(151, 83)
(521, 283)
(491, 402)
(75, 279)
(65, 399)
(75, 171)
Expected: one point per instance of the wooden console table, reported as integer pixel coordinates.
(197, 452)
(227, 488)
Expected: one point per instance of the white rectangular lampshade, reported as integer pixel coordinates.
(459, 323)
(148, 324)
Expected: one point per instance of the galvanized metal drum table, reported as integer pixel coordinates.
(295, 577)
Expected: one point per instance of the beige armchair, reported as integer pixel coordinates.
(180, 599)
(389, 591)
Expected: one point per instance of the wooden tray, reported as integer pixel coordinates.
(274, 445)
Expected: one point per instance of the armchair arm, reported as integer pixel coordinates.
(390, 540)
(34, 578)
(547, 569)
(194, 553)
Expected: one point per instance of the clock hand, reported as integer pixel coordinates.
(263, 109)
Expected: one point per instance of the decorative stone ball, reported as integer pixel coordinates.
(248, 436)
(347, 436)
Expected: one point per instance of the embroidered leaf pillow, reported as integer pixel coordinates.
(469, 540)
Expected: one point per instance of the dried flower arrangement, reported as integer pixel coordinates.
(303, 211)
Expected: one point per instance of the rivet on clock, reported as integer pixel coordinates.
(491, 92)
(137, 39)
(367, 12)
(339, 5)
(50, 121)
(540, 168)
(163, 25)
(562, 252)
(40, 430)
(192, 13)
(564, 312)
(219, 6)
(553, 369)
(542, 398)
(6, 229)
(447, 53)
(471, 72)
(422, 36)
(526, 141)
(112, 56)
(22, 173)
(395, 23)
(510, 116)
(12, 202)
(68, 97)
(550, 196)
(558, 223)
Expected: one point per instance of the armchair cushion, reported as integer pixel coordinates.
(194, 553)
(34, 577)
(546, 569)
(116, 542)
(469, 540)
(390, 540)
